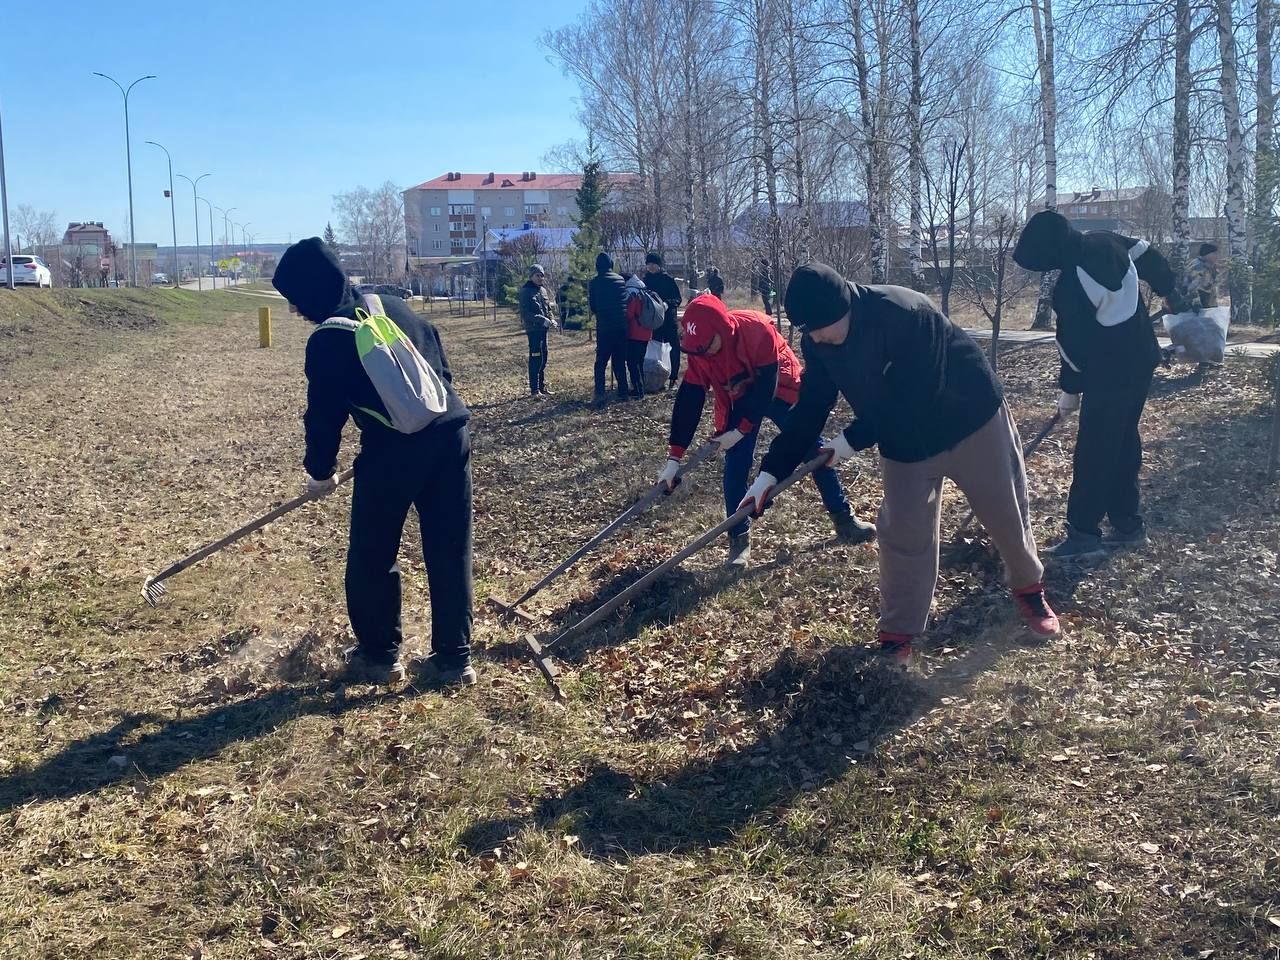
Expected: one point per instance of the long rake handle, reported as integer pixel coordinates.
(243, 532)
(729, 523)
(704, 453)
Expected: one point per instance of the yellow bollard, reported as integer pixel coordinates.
(264, 326)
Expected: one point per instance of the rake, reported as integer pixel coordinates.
(541, 652)
(154, 590)
(1031, 447)
(512, 608)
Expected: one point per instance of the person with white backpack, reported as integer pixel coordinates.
(376, 361)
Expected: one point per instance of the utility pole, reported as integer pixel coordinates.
(128, 160)
(195, 205)
(4, 203)
(173, 215)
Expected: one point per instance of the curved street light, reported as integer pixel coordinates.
(173, 216)
(128, 160)
(213, 255)
(196, 207)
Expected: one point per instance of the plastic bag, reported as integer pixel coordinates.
(1199, 336)
(657, 366)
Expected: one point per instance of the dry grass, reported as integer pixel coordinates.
(730, 777)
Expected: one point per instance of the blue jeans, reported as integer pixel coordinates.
(737, 465)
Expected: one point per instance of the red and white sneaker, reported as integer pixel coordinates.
(1035, 610)
(896, 647)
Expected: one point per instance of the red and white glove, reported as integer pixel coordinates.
(757, 497)
(322, 488)
(840, 448)
(668, 476)
(727, 439)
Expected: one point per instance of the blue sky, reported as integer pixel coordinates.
(285, 103)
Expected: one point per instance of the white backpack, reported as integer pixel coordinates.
(413, 393)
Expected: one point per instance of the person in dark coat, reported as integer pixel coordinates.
(664, 285)
(1108, 354)
(922, 391)
(537, 313)
(429, 470)
(762, 283)
(607, 301)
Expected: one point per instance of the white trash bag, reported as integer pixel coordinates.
(657, 366)
(1199, 336)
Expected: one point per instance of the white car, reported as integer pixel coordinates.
(27, 270)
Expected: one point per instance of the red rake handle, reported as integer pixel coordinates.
(724, 526)
(242, 532)
(704, 453)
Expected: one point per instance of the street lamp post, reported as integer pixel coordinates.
(128, 161)
(4, 203)
(173, 215)
(226, 218)
(196, 207)
(213, 256)
(244, 234)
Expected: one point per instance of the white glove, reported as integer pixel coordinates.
(840, 449)
(1068, 403)
(757, 497)
(727, 439)
(668, 475)
(552, 324)
(322, 488)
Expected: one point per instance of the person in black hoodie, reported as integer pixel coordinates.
(664, 285)
(607, 300)
(430, 470)
(1108, 354)
(922, 391)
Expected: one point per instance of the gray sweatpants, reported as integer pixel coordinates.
(987, 467)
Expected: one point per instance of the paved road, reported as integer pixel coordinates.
(212, 283)
(1039, 336)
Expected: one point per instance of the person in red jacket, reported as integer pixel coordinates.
(753, 375)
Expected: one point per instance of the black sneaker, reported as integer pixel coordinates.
(362, 668)
(739, 552)
(1119, 540)
(1077, 546)
(849, 529)
(445, 673)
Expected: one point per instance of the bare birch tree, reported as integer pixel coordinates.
(1042, 25)
(1237, 217)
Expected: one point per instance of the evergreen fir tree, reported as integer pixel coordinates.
(330, 238)
(587, 243)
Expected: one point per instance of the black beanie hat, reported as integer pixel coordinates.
(653, 258)
(604, 263)
(817, 297)
(310, 277)
(1046, 242)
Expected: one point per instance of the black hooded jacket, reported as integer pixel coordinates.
(607, 299)
(1103, 329)
(310, 277)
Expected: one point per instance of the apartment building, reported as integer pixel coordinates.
(447, 216)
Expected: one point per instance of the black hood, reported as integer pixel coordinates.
(1048, 242)
(604, 263)
(310, 277)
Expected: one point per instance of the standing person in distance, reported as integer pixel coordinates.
(1108, 356)
(638, 335)
(762, 283)
(537, 312)
(664, 285)
(753, 375)
(607, 301)
(715, 283)
(1199, 286)
(922, 391)
(430, 470)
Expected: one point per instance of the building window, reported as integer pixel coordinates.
(510, 211)
(435, 211)
(455, 224)
(458, 209)
(486, 211)
(435, 228)
(437, 244)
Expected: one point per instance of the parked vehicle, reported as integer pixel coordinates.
(384, 290)
(159, 278)
(29, 271)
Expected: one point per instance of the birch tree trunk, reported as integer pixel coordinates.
(797, 142)
(1042, 23)
(871, 146)
(763, 26)
(1181, 135)
(1237, 225)
(688, 52)
(1264, 190)
(915, 148)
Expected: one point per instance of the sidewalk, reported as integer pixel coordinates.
(1040, 336)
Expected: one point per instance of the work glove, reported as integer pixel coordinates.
(322, 488)
(667, 477)
(551, 323)
(840, 449)
(727, 439)
(757, 497)
(1068, 403)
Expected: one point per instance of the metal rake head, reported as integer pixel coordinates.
(153, 592)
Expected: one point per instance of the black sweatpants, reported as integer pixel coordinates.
(1108, 458)
(611, 347)
(635, 365)
(537, 358)
(431, 471)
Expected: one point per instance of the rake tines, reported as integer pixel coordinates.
(153, 592)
